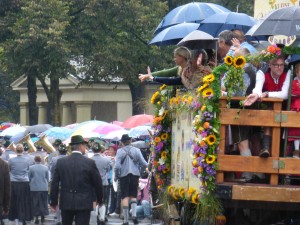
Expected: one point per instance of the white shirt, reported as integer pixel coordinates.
(260, 80)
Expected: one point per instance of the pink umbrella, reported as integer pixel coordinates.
(137, 120)
(106, 128)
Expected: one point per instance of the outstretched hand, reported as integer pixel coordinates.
(251, 99)
(147, 76)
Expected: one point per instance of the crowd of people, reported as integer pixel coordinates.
(76, 182)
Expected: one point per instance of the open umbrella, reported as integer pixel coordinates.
(87, 126)
(12, 131)
(137, 120)
(115, 135)
(217, 23)
(193, 12)
(198, 39)
(6, 125)
(58, 133)
(284, 21)
(172, 35)
(37, 129)
(138, 131)
(106, 128)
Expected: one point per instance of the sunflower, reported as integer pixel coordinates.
(157, 139)
(164, 136)
(164, 154)
(190, 99)
(195, 198)
(162, 87)
(164, 114)
(157, 120)
(211, 139)
(210, 159)
(181, 192)
(175, 194)
(171, 189)
(166, 170)
(155, 97)
(228, 60)
(190, 191)
(239, 62)
(209, 78)
(202, 87)
(208, 92)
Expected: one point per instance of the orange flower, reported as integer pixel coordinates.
(271, 49)
(206, 125)
(202, 143)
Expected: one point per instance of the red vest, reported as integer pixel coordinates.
(270, 85)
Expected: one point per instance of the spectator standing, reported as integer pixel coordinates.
(8, 152)
(39, 179)
(76, 180)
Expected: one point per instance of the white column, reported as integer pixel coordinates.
(42, 113)
(83, 111)
(24, 115)
(66, 114)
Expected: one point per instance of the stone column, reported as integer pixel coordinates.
(24, 115)
(124, 110)
(66, 113)
(83, 111)
(42, 119)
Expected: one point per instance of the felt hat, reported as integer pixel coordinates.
(57, 142)
(125, 137)
(77, 139)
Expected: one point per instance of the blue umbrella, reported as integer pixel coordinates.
(62, 133)
(294, 59)
(217, 23)
(172, 35)
(193, 12)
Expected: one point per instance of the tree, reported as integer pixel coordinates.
(37, 48)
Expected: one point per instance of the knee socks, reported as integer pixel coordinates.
(125, 213)
(133, 207)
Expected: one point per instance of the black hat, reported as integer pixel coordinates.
(62, 148)
(6, 144)
(77, 139)
(57, 142)
(125, 137)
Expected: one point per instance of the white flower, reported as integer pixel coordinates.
(161, 161)
(161, 111)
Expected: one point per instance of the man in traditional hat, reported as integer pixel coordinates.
(77, 180)
(129, 159)
(4, 188)
(103, 164)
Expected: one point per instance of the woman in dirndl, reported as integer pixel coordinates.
(20, 204)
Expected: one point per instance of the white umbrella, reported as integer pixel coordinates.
(138, 131)
(198, 39)
(12, 131)
(115, 135)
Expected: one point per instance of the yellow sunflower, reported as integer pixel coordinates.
(164, 114)
(175, 194)
(211, 139)
(166, 170)
(172, 100)
(209, 78)
(157, 139)
(190, 100)
(208, 92)
(228, 60)
(164, 154)
(171, 189)
(154, 97)
(195, 198)
(162, 87)
(239, 62)
(181, 192)
(202, 87)
(210, 159)
(164, 136)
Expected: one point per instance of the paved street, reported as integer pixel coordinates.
(111, 221)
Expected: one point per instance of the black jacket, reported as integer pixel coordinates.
(77, 179)
(4, 186)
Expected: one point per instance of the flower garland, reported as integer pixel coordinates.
(234, 80)
(161, 151)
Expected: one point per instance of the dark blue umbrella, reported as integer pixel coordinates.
(217, 23)
(172, 35)
(294, 59)
(193, 12)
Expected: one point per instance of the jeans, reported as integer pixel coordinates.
(143, 210)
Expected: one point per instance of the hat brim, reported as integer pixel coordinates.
(77, 143)
(125, 139)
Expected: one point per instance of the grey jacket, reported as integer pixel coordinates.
(38, 177)
(129, 165)
(8, 154)
(103, 165)
(18, 169)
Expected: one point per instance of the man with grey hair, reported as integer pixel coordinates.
(224, 43)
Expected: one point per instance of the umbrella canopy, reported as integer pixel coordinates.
(138, 131)
(115, 135)
(37, 129)
(140, 144)
(12, 131)
(137, 120)
(172, 35)
(58, 133)
(106, 128)
(6, 125)
(87, 126)
(193, 12)
(294, 59)
(198, 39)
(284, 21)
(217, 23)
